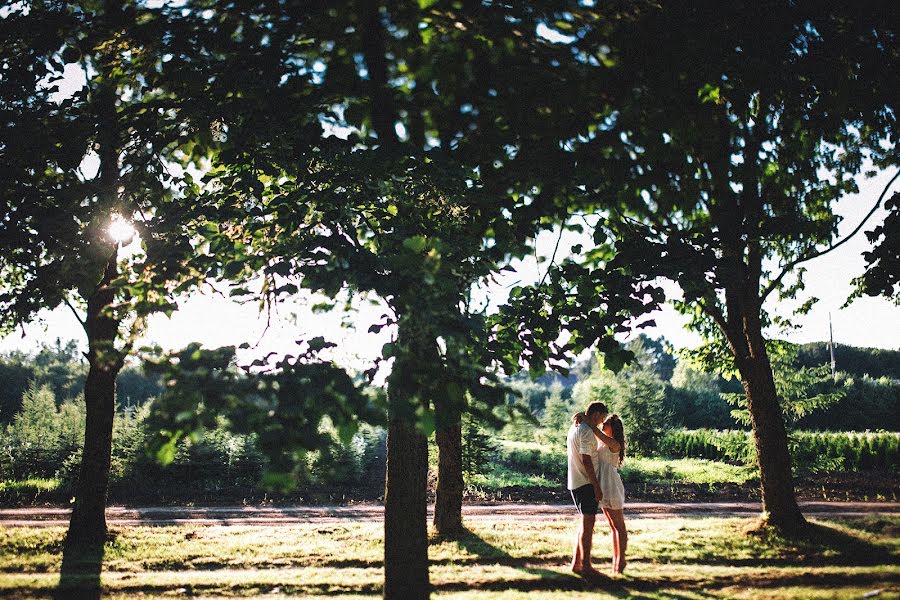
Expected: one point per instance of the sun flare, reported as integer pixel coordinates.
(120, 230)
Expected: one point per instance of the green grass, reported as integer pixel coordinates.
(497, 558)
(686, 470)
(27, 486)
(498, 476)
(26, 491)
(531, 464)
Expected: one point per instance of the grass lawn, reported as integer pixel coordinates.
(532, 470)
(671, 558)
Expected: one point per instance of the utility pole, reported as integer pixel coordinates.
(831, 348)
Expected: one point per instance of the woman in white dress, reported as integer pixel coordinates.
(611, 443)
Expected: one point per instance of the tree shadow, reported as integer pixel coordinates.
(79, 576)
(549, 580)
(821, 544)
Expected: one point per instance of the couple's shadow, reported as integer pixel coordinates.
(541, 578)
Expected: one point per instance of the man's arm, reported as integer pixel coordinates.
(592, 475)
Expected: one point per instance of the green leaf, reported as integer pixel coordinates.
(709, 93)
(166, 454)
(616, 360)
(416, 243)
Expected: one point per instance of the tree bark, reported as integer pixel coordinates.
(448, 497)
(740, 271)
(405, 502)
(743, 330)
(87, 525)
(770, 437)
(405, 514)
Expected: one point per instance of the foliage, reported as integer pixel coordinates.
(557, 416)
(882, 263)
(103, 153)
(637, 394)
(695, 399)
(712, 155)
(867, 403)
(62, 368)
(641, 405)
(42, 435)
(546, 461)
(479, 446)
(285, 404)
(811, 452)
(801, 391)
(731, 445)
(852, 360)
(533, 393)
(43, 445)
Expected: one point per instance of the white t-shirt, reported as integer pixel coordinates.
(580, 441)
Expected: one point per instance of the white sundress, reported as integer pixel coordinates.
(610, 481)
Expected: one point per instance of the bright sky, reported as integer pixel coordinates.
(215, 320)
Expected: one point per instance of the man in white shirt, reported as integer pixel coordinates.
(583, 484)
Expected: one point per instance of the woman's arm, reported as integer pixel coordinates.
(611, 443)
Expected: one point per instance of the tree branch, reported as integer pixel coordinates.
(75, 312)
(553, 256)
(790, 266)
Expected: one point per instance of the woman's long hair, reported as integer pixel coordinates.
(618, 434)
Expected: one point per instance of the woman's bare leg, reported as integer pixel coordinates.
(615, 538)
(621, 538)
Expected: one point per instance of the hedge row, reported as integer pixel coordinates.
(813, 451)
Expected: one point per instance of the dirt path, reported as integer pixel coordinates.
(280, 515)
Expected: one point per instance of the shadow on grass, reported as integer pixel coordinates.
(548, 579)
(818, 544)
(79, 576)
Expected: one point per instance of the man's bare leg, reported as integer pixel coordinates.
(576, 552)
(586, 541)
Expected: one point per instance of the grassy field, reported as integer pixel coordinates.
(684, 558)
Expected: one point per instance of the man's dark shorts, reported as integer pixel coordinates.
(585, 500)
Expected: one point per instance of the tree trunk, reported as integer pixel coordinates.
(87, 525)
(448, 497)
(405, 514)
(405, 502)
(770, 437)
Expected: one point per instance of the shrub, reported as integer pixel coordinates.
(479, 449)
(811, 452)
(41, 435)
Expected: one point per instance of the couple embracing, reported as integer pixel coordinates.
(596, 448)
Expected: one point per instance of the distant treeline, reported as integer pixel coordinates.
(62, 368)
(659, 391)
(868, 380)
(859, 362)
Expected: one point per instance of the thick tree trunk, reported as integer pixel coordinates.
(770, 436)
(448, 497)
(405, 502)
(405, 514)
(87, 525)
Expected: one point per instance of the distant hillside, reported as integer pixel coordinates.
(874, 362)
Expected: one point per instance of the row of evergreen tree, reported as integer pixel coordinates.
(661, 389)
